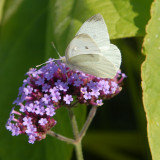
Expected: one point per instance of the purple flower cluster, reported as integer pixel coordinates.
(50, 87)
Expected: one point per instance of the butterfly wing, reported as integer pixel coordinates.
(96, 28)
(91, 52)
(81, 44)
(95, 64)
(83, 54)
(113, 54)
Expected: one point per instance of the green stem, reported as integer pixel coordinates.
(88, 122)
(77, 144)
(60, 137)
(74, 123)
(79, 153)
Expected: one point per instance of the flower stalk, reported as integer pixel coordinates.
(60, 137)
(79, 153)
(74, 123)
(88, 122)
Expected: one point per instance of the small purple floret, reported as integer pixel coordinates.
(40, 81)
(43, 121)
(68, 99)
(87, 95)
(84, 90)
(77, 83)
(50, 111)
(27, 121)
(27, 90)
(99, 102)
(61, 86)
(32, 138)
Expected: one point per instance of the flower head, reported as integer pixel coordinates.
(50, 87)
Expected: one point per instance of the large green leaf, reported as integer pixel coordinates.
(150, 79)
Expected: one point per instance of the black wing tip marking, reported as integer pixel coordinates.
(84, 35)
(95, 18)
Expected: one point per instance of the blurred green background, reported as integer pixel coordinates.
(27, 28)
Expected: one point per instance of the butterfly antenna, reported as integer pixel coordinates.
(45, 63)
(56, 50)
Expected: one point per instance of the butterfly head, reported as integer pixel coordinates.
(63, 59)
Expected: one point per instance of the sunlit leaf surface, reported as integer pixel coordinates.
(150, 79)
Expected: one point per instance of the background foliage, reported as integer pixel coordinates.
(118, 131)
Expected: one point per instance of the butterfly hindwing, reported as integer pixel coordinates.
(113, 54)
(94, 64)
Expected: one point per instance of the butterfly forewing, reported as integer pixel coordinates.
(81, 44)
(96, 28)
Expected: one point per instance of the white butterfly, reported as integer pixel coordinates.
(90, 50)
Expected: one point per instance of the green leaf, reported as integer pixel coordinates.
(150, 79)
(1, 8)
(20, 45)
